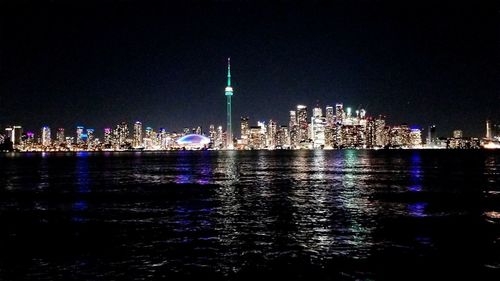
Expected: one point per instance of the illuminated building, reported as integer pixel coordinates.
(457, 134)
(198, 130)
(46, 140)
(79, 135)
(163, 139)
(370, 133)
(219, 138)
(60, 136)
(107, 137)
(9, 133)
(271, 134)
(303, 133)
(148, 139)
(186, 131)
(17, 133)
(431, 136)
(14, 133)
(489, 134)
(283, 137)
(399, 136)
(137, 141)
(229, 94)
(90, 138)
(29, 140)
(318, 124)
(121, 133)
(294, 129)
(415, 137)
(212, 134)
(193, 141)
(380, 132)
(329, 127)
(257, 138)
(339, 113)
(245, 128)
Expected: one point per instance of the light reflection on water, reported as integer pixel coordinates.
(231, 210)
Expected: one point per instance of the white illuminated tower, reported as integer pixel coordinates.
(229, 94)
(46, 140)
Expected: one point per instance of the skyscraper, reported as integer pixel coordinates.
(229, 94)
(302, 122)
(339, 113)
(293, 128)
(60, 135)
(137, 142)
(212, 134)
(14, 133)
(245, 127)
(46, 136)
(79, 135)
(458, 134)
(107, 136)
(90, 138)
(488, 129)
(431, 136)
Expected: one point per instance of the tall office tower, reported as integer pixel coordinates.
(14, 133)
(30, 139)
(317, 112)
(362, 113)
(293, 129)
(283, 137)
(9, 133)
(339, 113)
(293, 119)
(186, 131)
(329, 127)
(218, 138)
(108, 139)
(318, 124)
(46, 140)
(330, 116)
(162, 138)
(458, 134)
(229, 94)
(198, 130)
(121, 134)
(137, 141)
(148, 132)
(211, 134)
(489, 134)
(415, 137)
(369, 130)
(380, 133)
(79, 135)
(303, 133)
(255, 137)
(431, 135)
(90, 138)
(245, 127)
(60, 136)
(272, 130)
(17, 132)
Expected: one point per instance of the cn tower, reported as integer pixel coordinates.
(229, 94)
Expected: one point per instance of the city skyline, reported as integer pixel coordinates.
(161, 63)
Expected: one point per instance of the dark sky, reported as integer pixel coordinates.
(96, 63)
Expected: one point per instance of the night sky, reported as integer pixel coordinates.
(96, 63)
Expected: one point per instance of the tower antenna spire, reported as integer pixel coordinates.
(229, 72)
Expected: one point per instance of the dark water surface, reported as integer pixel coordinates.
(309, 215)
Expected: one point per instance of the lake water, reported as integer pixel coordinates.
(243, 215)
